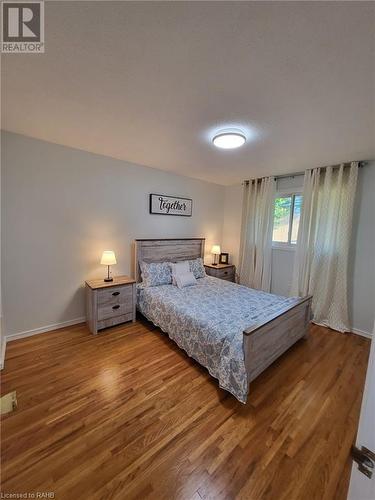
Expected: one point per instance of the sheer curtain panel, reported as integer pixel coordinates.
(256, 233)
(322, 254)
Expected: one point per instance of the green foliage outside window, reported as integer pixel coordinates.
(286, 218)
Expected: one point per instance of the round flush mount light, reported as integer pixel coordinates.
(229, 139)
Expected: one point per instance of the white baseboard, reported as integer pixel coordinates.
(362, 333)
(43, 329)
(76, 321)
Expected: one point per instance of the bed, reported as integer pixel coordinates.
(235, 332)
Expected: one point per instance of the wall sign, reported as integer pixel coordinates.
(163, 204)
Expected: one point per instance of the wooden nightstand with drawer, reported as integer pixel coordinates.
(110, 303)
(223, 271)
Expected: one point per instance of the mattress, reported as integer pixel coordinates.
(207, 321)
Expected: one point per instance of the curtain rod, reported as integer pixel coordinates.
(295, 174)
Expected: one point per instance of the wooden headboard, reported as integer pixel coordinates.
(170, 250)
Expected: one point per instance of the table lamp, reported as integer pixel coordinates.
(108, 259)
(215, 250)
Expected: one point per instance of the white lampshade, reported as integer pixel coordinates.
(216, 250)
(108, 258)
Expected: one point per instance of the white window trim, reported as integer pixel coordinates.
(286, 191)
(278, 245)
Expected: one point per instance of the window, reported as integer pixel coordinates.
(286, 219)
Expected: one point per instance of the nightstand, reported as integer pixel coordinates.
(222, 271)
(110, 303)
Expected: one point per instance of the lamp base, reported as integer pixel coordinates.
(108, 279)
(214, 263)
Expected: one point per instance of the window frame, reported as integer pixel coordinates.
(280, 245)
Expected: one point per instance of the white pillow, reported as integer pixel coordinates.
(185, 279)
(178, 268)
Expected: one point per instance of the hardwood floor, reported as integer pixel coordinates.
(126, 414)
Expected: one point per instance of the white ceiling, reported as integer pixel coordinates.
(150, 82)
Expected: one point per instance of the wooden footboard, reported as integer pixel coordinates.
(264, 343)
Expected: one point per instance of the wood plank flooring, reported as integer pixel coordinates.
(126, 414)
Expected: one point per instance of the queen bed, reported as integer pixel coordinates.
(235, 332)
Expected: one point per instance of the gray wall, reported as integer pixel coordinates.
(62, 207)
(2, 336)
(362, 261)
(362, 273)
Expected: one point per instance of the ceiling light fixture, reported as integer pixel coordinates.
(229, 139)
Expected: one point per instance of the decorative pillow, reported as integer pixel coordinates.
(197, 268)
(178, 268)
(185, 279)
(156, 273)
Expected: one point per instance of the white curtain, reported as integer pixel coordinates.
(256, 233)
(322, 254)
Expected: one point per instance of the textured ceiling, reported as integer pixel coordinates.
(150, 82)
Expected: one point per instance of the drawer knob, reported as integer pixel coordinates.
(115, 293)
(116, 307)
(225, 272)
